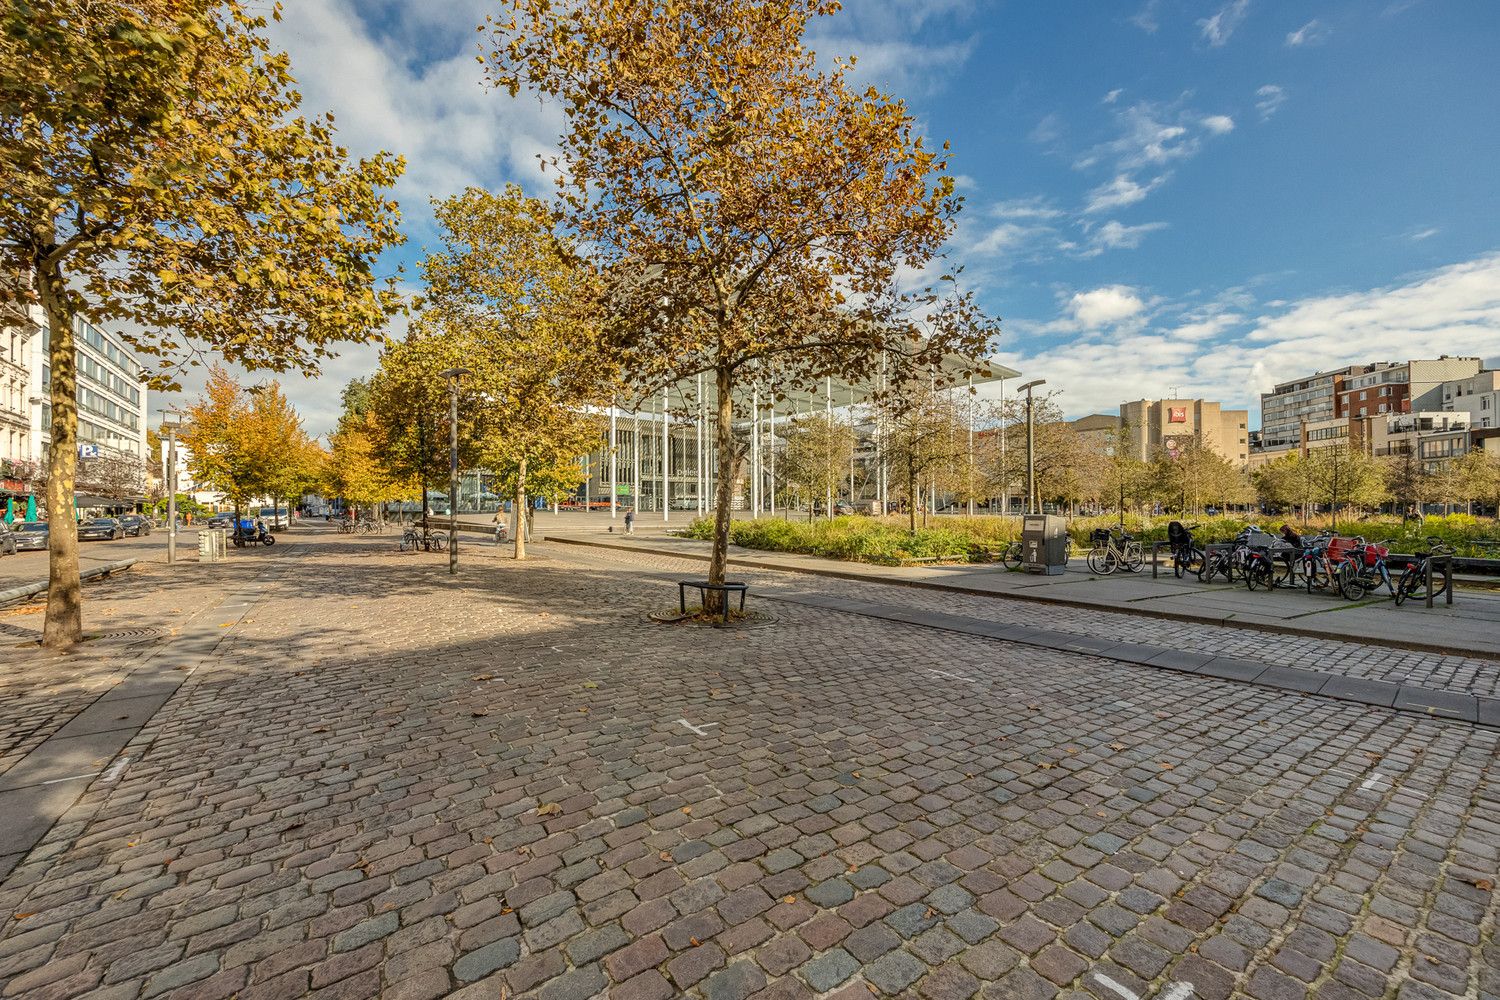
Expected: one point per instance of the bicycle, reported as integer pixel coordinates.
(1331, 567)
(1413, 583)
(1370, 571)
(414, 538)
(1187, 557)
(1011, 555)
(1110, 553)
(346, 527)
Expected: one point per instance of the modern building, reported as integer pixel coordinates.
(112, 402)
(1434, 436)
(1099, 432)
(1152, 426)
(1478, 395)
(1289, 405)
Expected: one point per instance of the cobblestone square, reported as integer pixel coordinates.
(383, 782)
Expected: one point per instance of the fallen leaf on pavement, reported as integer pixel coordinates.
(694, 942)
(549, 809)
(1483, 884)
(790, 899)
(687, 810)
(665, 855)
(482, 677)
(1117, 746)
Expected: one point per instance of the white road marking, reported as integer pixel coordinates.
(116, 769)
(1115, 987)
(1173, 991)
(955, 677)
(696, 729)
(58, 781)
(1372, 782)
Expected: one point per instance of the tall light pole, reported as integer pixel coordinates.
(1031, 504)
(170, 426)
(453, 375)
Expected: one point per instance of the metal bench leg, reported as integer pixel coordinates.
(682, 598)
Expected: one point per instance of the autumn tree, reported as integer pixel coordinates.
(1057, 449)
(816, 456)
(508, 283)
(749, 211)
(409, 407)
(917, 423)
(1338, 475)
(159, 176)
(354, 472)
(224, 451)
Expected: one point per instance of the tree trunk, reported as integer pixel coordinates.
(724, 441)
(424, 508)
(911, 501)
(64, 624)
(519, 522)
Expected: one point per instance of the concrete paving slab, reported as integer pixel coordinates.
(1292, 678)
(1232, 668)
(26, 814)
(60, 758)
(1445, 703)
(1359, 689)
(1180, 659)
(118, 713)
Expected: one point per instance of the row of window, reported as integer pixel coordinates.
(107, 379)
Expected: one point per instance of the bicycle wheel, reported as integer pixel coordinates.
(1131, 558)
(1411, 581)
(1011, 557)
(1314, 577)
(1350, 584)
(439, 543)
(1096, 560)
(1260, 574)
(1209, 569)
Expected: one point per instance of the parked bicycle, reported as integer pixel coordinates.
(416, 537)
(1113, 550)
(1011, 555)
(1331, 567)
(1413, 582)
(1370, 571)
(1187, 557)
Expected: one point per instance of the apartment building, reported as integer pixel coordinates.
(19, 337)
(112, 402)
(1152, 426)
(1405, 387)
(1477, 395)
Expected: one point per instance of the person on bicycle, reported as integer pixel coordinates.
(499, 521)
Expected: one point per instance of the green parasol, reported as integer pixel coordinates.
(10, 510)
(31, 508)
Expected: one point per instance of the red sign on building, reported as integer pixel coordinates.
(1177, 414)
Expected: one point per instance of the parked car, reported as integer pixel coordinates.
(30, 536)
(221, 521)
(7, 540)
(136, 525)
(105, 529)
(276, 518)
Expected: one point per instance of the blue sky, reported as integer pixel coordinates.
(1199, 196)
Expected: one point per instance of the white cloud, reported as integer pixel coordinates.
(1145, 18)
(1121, 345)
(1035, 207)
(1105, 306)
(1423, 234)
(1113, 96)
(1121, 191)
(1217, 29)
(1268, 99)
(1047, 132)
(1114, 235)
(1219, 124)
(1314, 32)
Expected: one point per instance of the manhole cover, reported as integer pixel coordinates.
(128, 634)
(744, 620)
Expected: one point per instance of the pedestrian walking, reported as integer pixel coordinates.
(629, 520)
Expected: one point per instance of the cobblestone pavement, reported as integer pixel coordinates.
(386, 783)
(39, 693)
(1383, 663)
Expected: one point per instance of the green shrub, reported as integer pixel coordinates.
(886, 539)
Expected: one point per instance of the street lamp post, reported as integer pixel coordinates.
(170, 426)
(1031, 504)
(453, 375)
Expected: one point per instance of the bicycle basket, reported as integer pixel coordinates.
(1099, 536)
(1341, 548)
(1375, 553)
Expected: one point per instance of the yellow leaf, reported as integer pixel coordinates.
(549, 809)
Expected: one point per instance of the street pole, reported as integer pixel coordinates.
(171, 493)
(453, 374)
(1031, 504)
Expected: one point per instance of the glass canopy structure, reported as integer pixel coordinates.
(658, 454)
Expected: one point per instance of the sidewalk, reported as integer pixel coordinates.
(1470, 626)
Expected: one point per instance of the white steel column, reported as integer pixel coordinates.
(828, 416)
(702, 465)
(755, 452)
(853, 446)
(969, 472)
(614, 465)
(666, 460)
(772, 445)
(1004, 469)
